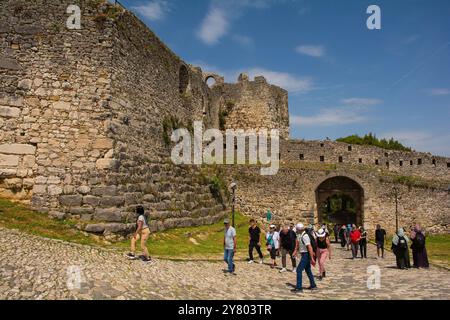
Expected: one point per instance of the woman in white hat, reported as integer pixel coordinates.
(323, 250)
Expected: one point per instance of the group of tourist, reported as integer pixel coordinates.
(354, 238)
(304, 246)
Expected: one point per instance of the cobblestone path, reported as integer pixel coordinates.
(36, 268)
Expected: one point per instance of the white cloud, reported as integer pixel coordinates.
(292, 83)
(214, 26)
(153, 10)
(288, 81)
(242, 40)
(439, 91)
(218, 20)
(311, 50)
(438, 144)
(361, 101)
(331, 117)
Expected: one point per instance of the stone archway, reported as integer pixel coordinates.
(340, 199)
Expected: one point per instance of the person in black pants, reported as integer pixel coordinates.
(254, 242)
(363, 243)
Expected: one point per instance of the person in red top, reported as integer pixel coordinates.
(355, 236)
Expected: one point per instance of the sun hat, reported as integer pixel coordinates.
(321, 233)
(300, 226)
(272, 226)
(226, 221)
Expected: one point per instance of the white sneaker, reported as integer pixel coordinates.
(283, 270)
(250, 261)
(260, 261)
(294, 270)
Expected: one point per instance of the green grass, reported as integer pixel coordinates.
(202, 242)
(438, 249)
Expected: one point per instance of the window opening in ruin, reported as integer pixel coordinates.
(376, 162)
(386, 154)
(360, 160)
(340, 159)
(401, 163)
(387, 164)
(419, 162)
(434, 162)
(411, 163)
(321, 145)
(322, 158)
(448, 164)
(302, 157)
(349, 148)
(184, 79)
(210, 81)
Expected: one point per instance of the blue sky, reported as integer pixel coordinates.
(342, 77)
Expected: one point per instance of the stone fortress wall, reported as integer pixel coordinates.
(85, 117)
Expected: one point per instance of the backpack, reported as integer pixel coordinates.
(402, 245)
(419, 240)
(270, 243)
(311, 240)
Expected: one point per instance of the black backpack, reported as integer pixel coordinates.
(402, 244)
(312, 241)
(419, 240)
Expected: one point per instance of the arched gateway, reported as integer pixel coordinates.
(340, 200)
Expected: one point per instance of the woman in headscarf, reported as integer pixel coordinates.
(400, 249)
(419, 252)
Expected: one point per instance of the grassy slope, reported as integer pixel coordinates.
(203, 242)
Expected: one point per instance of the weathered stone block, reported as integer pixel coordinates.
(81, 210)
(111, 201)
(39, 189)
(74, 200)
(9, 160)
(9, 112)
(54, 190)
(110, 214)
(104, 191)
(25, 84)
(17, 148)
(61, 105)
(95, 228)
(91, 200)
(84, 189)
(57, 215)
(103, 143)
(10, 64)
(103, 164)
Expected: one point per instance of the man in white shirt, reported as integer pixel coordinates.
(303, 246)
(229, 245)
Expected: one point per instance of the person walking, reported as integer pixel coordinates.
(400, 248)
(419, 251)
(363, 242)
(229, 246)
(142, 232)
(287, 246)
(355, 237)
(347, 236)
(323, 251)
(336, 229)
(380, 236)
(272, 244)
(254, 233)
(342, 237)
(268, 215)
(303, 246)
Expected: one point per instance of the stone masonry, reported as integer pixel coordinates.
(86, 117)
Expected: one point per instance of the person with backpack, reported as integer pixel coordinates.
(307, 259)
(419, 252)
(142, 232)
(323, 250)
(254, 241)
(363, 242)
(380, 236)
(400, 249)
(287, 244)
(355, 237)
(272, 243)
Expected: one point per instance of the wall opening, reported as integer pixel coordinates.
(322, 158)
(349, 148)
(210, 81)
(183, 78)
(340, 200)
(419, 162)
(376, 162)
(360, 160)
(340, 159)
(302, 157)
(401, 163)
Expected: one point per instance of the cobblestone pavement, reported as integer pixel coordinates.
(36, 268)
